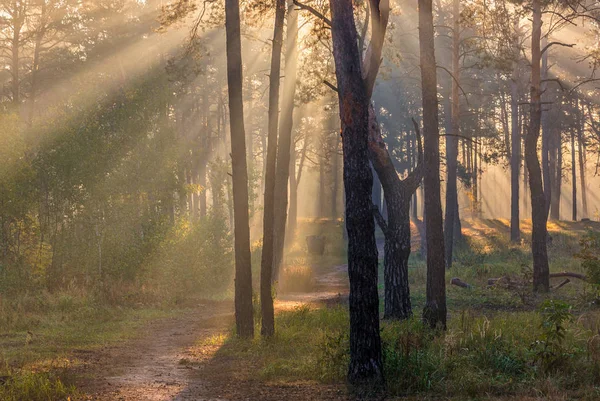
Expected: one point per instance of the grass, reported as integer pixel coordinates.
(498, 345)
(42, 336)
(495, 345)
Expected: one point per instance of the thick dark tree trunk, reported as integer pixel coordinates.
(366, 365)
(452, 143)
(285, 138)
(397, 228)
(539, 211)
(434, 312)
(244, 320)
(266, 267)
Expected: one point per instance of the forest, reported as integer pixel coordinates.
(299, 199)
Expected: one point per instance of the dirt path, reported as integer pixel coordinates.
(155, 366)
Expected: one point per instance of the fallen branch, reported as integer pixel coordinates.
(567, 281)
(459, 283)
(569, 274)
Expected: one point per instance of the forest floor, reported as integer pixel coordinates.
(178, 358)
(188, 352)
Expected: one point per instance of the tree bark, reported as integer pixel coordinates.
(434, 312)
(244, 320)
(515, 156)
(546, 170)
(539, 210)
(396, 230)
(284, 148)
(452, 143)
(366, 365)
(581, 145)
(573, 174)
(266, 267)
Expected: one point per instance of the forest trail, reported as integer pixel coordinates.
(176, 359)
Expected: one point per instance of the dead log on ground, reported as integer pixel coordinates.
(459, 283)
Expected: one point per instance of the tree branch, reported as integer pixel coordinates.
(332, 86)
(413, 180)
(313, 11)
(556, 43)
(379, 219)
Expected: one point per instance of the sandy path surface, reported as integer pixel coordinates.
(156, 366)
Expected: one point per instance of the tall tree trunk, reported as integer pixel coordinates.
(546, 169)
(244, 320)
(557, 186)
(574, 174)
(415, 200)
(539, 212)
(581, 145)
(452, 142)
(515, 155)
(366, 365)
(434, 312)
(397, 245)
(284, 148)
(294, 183)
(335, 177)
(35, 66)
(321, 205)
(266, 267)
(18, 19)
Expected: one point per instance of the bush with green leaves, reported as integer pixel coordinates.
(551, 350)
(589, 254)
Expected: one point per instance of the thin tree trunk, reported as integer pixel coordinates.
(452, 142)
(284, 148)
(574, 174)
(539, 211)
(266, 267)
(515, 156)
(546, 170)
(294, 183)
(335, 177)
(434, 312)
(244, 320)
(581, 144)
(366, 364)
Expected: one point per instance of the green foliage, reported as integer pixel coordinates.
(550, 350)
(195, 258)
(32, 386)
(589, 255)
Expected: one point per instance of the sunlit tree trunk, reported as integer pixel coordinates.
(452, 142)
(556, 173)
(546, 140)
(574, 174)
(266, 268)
(335, 167)
(515, 156)
(285, 147)
(294, 183)
(35, 66)
(541, 279)
(366, 364)
(434, 312)
(244, 320)
(581, 145)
